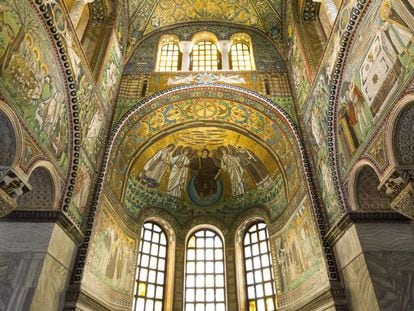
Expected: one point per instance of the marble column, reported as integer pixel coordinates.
(185, 50)
(224, 47)
(13, 183)
(76, 11)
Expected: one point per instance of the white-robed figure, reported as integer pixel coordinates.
(155, 168)
(179, 172)
(231, 165)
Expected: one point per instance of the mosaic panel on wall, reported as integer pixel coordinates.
(300, 267)
(94, 104)
(315, 117)
(376, 74)
(30, 79)
(110, 267)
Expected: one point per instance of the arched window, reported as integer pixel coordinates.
(258, 268)
(240, 57)
(170, 57)
(204, 272)
(151, 269)
(205, 56)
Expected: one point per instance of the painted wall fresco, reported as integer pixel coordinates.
(376, 74)
(30, 79)
(300, 266)
(111, 259)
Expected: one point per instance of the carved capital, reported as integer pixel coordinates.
(12, 185)
(404, 201)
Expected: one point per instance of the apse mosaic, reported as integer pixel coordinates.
(201, 166)
(253, 118)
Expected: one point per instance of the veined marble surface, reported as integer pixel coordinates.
(35, 263)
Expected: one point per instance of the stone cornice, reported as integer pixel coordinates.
(54, 216)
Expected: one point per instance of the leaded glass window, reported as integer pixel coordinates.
(240, 57)
(170, 57)
(205, 56)
(259, 272)
(151, 269)
(204, 272)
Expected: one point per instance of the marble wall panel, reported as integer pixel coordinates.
(386, 237)
(19, 237)
(50, 290)
(62, 248)
(35, 262)
(19, 273)
(392, 275)
(358, 287)
(347, 248)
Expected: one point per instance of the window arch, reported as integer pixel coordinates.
(151, 269)
(169, 54)
(241, 52)
(204, 272)
(260, 286)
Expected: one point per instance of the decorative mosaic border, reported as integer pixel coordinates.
(72, 107)
(333, 149)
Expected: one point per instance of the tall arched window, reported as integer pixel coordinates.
(240, 57)
(204, 272)
(205, 56)
(151, 269)
(258, 266)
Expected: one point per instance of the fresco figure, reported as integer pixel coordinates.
(179, 172)
(155, 168)
(207, 174)
(231, 165)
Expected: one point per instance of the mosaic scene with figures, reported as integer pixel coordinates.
(206, 155)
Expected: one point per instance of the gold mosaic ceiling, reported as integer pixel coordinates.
(150, 15)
